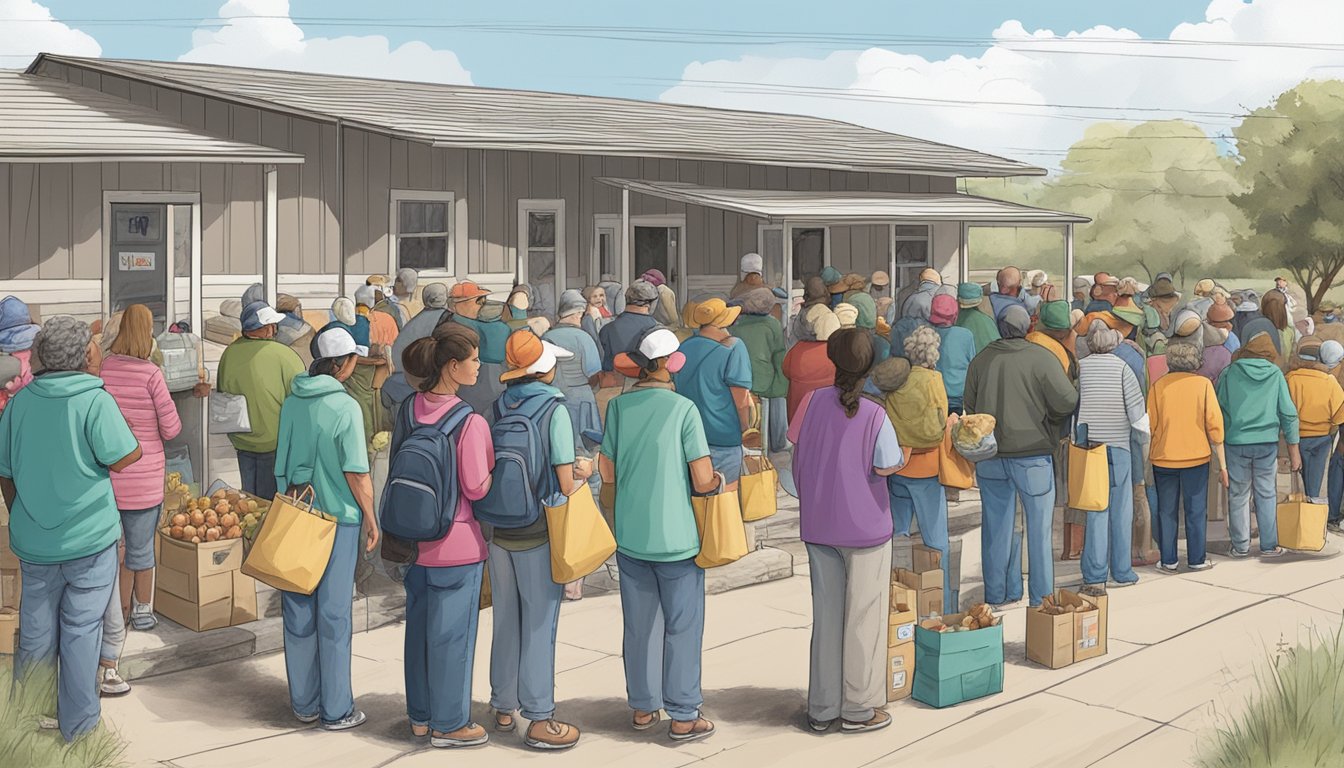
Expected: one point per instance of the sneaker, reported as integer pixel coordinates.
(1123, 584)
(1275, 552)
(110, 683)
(353, 720)
(1164, 568)
(820, 726)
(1093, 590)
(1239, 555)
(307, 719)
(469, 735)
(1204, 566)
(880, 720)
(551, 735)
(143, 618)
(1335, 527)
(45, 723)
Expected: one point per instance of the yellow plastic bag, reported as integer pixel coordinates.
(723, 536)
(756, 488)
(1301, 522)
(1089, 478)
(293, 547)
(580, 539)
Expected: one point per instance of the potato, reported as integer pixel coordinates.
(203, 501)
(211, 519)
(195, 539)
(188, 531)
(176, 531)
(212, 534)
(228, 520)
(180, 520)
(220, 494)
(198, 518)
(234, 532)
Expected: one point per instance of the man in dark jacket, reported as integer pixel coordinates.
(1024, 388)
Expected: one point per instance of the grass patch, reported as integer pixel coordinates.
(23, 744)
(1291, 715)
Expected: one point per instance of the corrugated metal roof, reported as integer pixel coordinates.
(467, 116)
(849, 207)
(44, 120)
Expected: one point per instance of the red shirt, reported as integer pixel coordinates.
(807, 367)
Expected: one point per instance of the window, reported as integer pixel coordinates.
(606, 256)
(809, 252)
(541, 247)
(422, 231)
(912, 254)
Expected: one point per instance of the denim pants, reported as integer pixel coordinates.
(850, 600)
(1110, 532)
(926, 499)
(728, 461)
(318, 630)
(526, 607)
(1187, 487)
(1336, 485)
(664, 609)
(441, 620)
(114, 624)
(1253, 470)
(61, 620)
(778, 419)
(1003, 482)
(257, 472)
(1315, 456)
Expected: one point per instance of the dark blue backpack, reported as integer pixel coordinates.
(522, 476)
(420, 498)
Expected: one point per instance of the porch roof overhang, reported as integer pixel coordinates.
(851, 207)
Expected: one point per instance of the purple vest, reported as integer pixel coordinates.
(842, 503)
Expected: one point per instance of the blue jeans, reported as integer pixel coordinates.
(526, 606)
(1003, 481)
(1315, 456)
(664, 609)
(1253, 469)
(1110, 532)
(927, 500)
(1336, 485)
(441, 620)
(258, 473)
(1187, 487)
(727, 460)
(318, 630)
(779, 424)
(61, 618)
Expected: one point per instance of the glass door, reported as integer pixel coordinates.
(138, 266)
(541, 249)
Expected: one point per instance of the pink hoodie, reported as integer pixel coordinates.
(24, 378)
(139, 389)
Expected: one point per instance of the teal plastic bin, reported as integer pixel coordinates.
(952, 667)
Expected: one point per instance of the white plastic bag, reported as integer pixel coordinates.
(228, 414)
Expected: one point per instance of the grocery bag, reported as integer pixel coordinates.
(1089, 474)
(293, 546)
(1301, 520)
(228, 414)
(954, 470)
(580, 539)
(756, 488)
(723, 536)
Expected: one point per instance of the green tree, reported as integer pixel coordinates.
(1292, 165)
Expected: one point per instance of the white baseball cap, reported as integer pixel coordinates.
(337, 342)
(753, 263)
(656, 343)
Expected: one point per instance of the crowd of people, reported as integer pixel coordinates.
(650, 401)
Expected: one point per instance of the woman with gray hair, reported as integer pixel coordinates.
(64, 524)
(1110, 409)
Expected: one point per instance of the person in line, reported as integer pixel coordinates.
(1055, 334)
(1163, 297)
(969, 316)
(1111, 405)
(1023, 388)
(654, 456)
(846, 449)
(1216, 354)
(443, 585)
(1257, 409)
(526, 601)
(847, 314)
(805, 364)
(360, 383)
(516, 306)
(716, 377)
(814, 295)
(752, 268)
(466, 299)
(403, 295)
(1320, 410)
(665, 308)
(1008, 284)
(879, 287)
(920, 303)
(434, 311)
(1281, 285)
(621, 332)
(835, 285)
(322, 445)
(294, 331)
(142, 395)
(1082, 289)
(1221, 315)
(763, 337)
(63, 519)
(916, 315)
(17, 332)
(1274, 309)
(956, 349)
(595, 314)
(260, 370)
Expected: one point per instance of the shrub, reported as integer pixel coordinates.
(23, 743)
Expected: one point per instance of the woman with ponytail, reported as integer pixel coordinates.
(443, 584)
(845, 449)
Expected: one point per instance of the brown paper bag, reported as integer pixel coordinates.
(294, 544)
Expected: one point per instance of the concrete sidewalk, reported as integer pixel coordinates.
(1183, 650)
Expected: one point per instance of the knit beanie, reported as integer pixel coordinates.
(890, 374)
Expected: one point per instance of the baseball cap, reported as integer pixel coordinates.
(641, 292)
(435, 296)
(715, 312)
(466, 289)
(336, 342)
(1105, 278)
(525, 353)
(931, 275)
(653, 344)
(830, 276)
(881, 279)
(258, 315)
(752, 263)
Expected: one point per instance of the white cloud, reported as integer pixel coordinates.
(27, 29)
(1028, 86)
(260, 33)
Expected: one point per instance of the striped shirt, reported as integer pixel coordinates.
(1110, 400)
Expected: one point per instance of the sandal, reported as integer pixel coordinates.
(700, 729)
(504, 722)
(419, 730)
(643, 721)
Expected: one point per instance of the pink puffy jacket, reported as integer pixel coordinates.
(139, 389)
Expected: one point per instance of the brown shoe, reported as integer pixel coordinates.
(504, 722)
(643, 721)
(879, 721)
(469, 735)
(691, 730)
(551, 734)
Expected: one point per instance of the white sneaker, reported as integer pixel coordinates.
(110, 683)
(355, 720)
(143, 618)
(48, 723)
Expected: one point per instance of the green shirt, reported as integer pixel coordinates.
(981, 326)
(322, 438)
(562, 453)
(58, 436)
(260, 370)
(765, 346)
(651, 435)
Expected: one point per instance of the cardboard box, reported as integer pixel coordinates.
(9, 631)
(201, 590)
(925, 559)
(244, 599)
(928, 587)
(900, 671)
(1060, 640)
(215, 615)
(952, 667)
(8, 560)
(902, 619)
(197, 560)
(11, 587)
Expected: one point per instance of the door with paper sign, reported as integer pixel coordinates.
(138, 270)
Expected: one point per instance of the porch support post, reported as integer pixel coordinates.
(626, 234)
(269, 269)
(891, 260)
(787, 238)
(963, 254)
(1068, 260)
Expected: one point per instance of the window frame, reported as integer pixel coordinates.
(398, 196)
(825, 247)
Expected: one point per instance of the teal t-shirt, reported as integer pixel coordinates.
(651, 435)
(58, 436)
(711, 369)
(322, 438)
